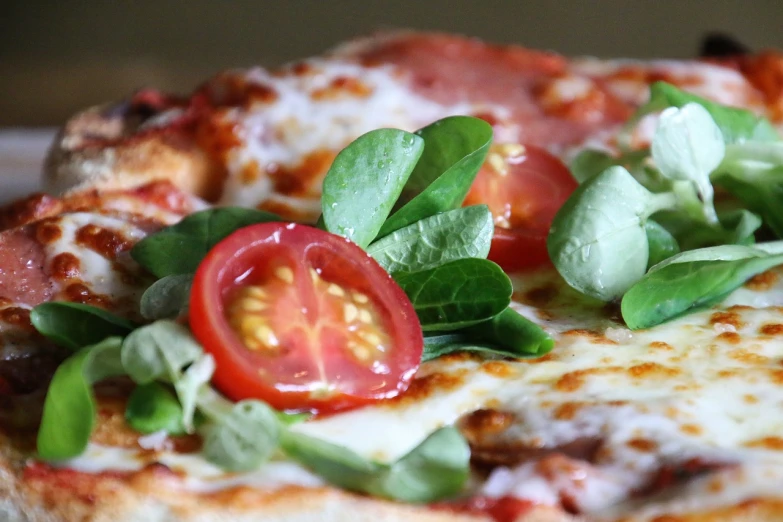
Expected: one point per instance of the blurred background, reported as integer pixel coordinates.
(59, 56)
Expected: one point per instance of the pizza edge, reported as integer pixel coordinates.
(95, 150)
(156, 495)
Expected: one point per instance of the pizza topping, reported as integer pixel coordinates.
(524, 186)
(301, 318)
(307, 320)
(696, 143)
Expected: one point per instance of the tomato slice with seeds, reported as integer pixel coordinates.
(524, 187)
(303, 319)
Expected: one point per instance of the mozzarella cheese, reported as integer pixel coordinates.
(708, 386)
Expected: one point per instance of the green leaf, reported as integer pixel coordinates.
(365, 180)
(69, 408)
(436, 469)
(662, 244)
(179, 249)
(457, 294)
(758, 186)
(688, 146)
(508, 334)
(736, 125)
(692, 281)
(433, 241)
(75, 325)
(604, 217)
(152, 407)
(159, 351)
(244, 438)
(167, 298)
(190, 384)
(590, 163)
(454, 150)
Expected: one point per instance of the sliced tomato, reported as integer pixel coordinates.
(303, 319)
(524, 187)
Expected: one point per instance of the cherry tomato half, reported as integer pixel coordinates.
(524, 187)
(303, 319)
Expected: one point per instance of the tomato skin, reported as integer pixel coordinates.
(288, 380)
(523, 199)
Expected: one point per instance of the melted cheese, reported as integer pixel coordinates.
(660, 397)
(91, 240)
(302, 119)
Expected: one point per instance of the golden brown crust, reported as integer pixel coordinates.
(156, 495)
(94, 150)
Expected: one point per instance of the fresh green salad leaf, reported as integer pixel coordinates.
(456, 234)
(152, 407)
(365, 181)
(179, 249)
(662, 243)
(758, 186)
(167, 298)
(437, 468)
(457, 294)
(692, 281)
(75, 325)
(190, 384)
(606, 215)
(508, 334)
(160, 351)
(69, 408)
(244, 438)
(736, 125)
(454, 150)
(688, 146)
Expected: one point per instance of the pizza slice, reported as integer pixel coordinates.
(626, 382)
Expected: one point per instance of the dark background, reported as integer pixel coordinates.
(59, 56)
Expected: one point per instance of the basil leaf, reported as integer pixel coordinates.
(455, 149)
(179, 249)
(605, 216)
(457, 294)
(508, 334)
(69, 408)
(436, 469)
(244, 438)
(151, 408)
(167, 298)
(365, 180)
(456, 234)
(736, 125)
(159, 351)
(75, 325)
(688, 146)
(662, 244)
(680, 286)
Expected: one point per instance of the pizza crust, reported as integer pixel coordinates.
(155, 495)
(97, 149)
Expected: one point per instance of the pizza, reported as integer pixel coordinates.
(420, 277)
